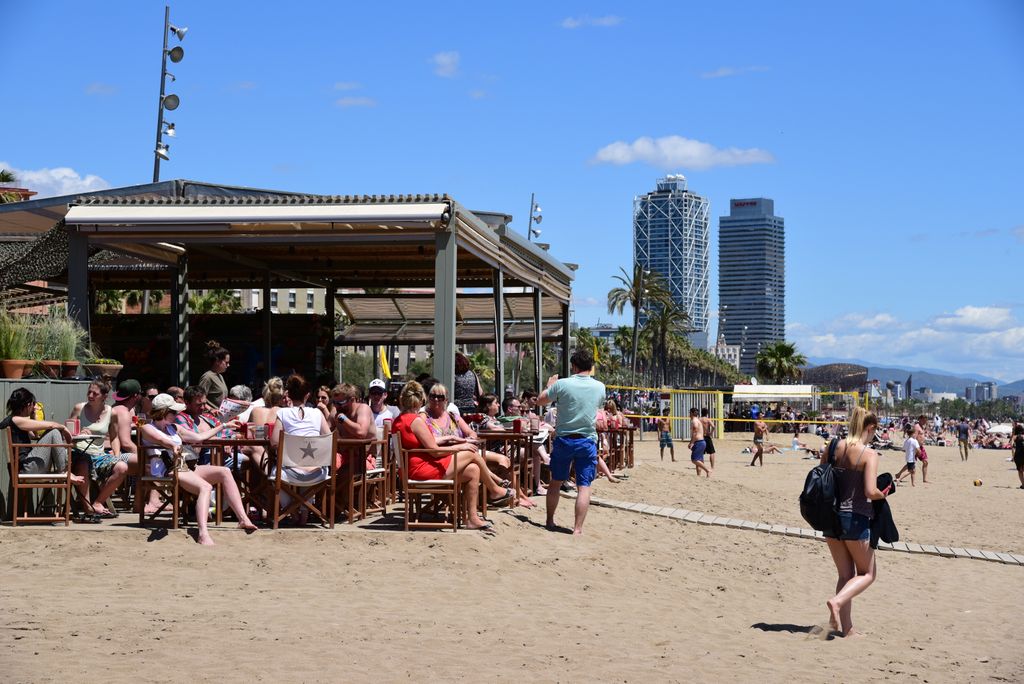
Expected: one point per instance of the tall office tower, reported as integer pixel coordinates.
(670, 237)
(751, 277)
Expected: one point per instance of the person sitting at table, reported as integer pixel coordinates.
(243, 394)
(352, 420)
(145, 405)
(43, 457)
(491, 409)
(195, 418)
(274, 399)
(378, 395)
(215, 389)
(161, 434)
(176, 393)
(452, 428)
(128, 400)
(512, 410)
(414, 432)
(90, 454)
(605, 419)
(303, 421)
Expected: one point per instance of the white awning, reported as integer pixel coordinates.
(772, 392)
(134, 215)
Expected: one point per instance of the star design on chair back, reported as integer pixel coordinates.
(308, 451)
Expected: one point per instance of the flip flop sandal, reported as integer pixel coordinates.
(87, 519)
(483, 528)
(501, 499)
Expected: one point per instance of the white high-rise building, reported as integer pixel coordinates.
(670, 237)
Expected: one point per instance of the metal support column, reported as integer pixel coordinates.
(445, 265)
(499, 333)
(268, 370)
(329, 353)
(538, 342)
(566, 339)
(179, 312)
(78, 278)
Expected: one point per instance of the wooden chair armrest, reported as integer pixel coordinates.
(438, 452)
(355, 442)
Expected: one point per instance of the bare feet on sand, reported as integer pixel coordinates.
(833, 614)
(205, 539)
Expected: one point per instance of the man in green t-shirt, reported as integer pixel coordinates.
(578, 398)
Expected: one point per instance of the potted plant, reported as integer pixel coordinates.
(14, 345)
(69, 337)
(96, 366)
(44, 345)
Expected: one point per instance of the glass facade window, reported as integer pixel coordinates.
(291, 300)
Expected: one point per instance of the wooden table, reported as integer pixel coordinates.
(522, 442)
(217, 447)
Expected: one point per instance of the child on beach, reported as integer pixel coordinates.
(912, 448)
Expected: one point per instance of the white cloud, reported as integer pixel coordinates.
(976, 318)
(346, 102)
(55, 182)
(675, 151)
(347, 85)
(446, 64)
(101, 89)
(581, 301)
(478, 94)
(723, 72)
(979, 339)
(602, 22)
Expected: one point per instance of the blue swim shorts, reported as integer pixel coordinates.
(579, 452)
(665, 439)
(697, 454)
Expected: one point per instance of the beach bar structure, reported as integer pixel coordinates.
(487, 283)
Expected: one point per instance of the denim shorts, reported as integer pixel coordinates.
(853, 527)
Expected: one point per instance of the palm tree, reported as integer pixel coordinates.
(215, 301)
(8, 177)
(145, 299)
(622, 340)
(109, 301)
(644, 288)
(666, 329)
(780, 362)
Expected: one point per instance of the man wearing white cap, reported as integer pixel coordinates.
(381, 411)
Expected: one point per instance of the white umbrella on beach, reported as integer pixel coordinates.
(1001, 429)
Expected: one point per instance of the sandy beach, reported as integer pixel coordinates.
(638, 598)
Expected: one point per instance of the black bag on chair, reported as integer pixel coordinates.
(818, 498)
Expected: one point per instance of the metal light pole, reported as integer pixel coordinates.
(169, 102)
(535, 217)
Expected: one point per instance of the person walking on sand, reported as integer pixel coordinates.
(709, 430)
(697, 443)
(665, 436)
(911, 447)
(578, 398)
(922, 454)
(1018, 450)
(760, 430)
(963, 438)
(856, 471)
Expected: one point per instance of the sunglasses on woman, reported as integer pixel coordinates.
(438, 397)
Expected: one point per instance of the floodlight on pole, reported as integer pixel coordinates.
(535, 217)
(166, 101)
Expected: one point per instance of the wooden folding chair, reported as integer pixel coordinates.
(57, 481)
(353, 478)
(305, 452)
(444, 492)
(166, 485)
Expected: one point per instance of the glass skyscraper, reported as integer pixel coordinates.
(670, 237)
(751, 277)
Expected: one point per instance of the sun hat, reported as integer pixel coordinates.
(377, 383)
(127, 389)
(166, 401)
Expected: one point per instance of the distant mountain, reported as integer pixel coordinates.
(1011, 388)
(820, 361)
(936, 380)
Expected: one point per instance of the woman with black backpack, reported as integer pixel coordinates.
(855, 469)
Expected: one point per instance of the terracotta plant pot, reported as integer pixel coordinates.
(50, 369)
(68, 369)
(97, 370)
(14, 369)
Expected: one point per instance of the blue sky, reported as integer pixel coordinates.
(888, 133)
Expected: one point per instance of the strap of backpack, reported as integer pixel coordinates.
(832, 450)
